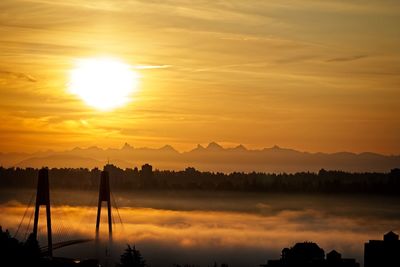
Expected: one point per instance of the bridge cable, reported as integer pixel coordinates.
(28, 225)
(23, 217)
(115, 204)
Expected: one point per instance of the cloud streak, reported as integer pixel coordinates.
(17, 75)
(344, 59)
(149, 67)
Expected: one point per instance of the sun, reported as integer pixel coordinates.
(103, 83)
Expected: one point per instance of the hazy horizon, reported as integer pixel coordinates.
(223, 145)
(210, 157)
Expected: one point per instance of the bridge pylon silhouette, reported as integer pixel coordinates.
(43, 199)
(104, 195)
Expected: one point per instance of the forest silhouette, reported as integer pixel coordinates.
(191, 179)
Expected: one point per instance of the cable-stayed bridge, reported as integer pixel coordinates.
(60, 230)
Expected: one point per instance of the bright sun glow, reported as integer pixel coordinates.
(103, 83)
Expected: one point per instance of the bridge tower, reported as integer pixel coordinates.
(43, 198)
(104, 195)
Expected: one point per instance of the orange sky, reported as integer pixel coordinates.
(310, 75)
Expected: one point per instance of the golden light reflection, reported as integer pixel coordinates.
(103, 83)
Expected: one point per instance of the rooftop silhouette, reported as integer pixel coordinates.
(384, 252)
(309, 254)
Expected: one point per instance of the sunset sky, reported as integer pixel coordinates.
(305, 74)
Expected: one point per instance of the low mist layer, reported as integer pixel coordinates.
(202, 228)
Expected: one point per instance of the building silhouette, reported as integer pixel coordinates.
(384, 252)
(309, 254)
(147, 177)
(334, 259)
(147, 170)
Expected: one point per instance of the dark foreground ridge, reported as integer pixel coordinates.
(146, 178)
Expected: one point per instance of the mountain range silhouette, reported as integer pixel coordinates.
(212, 157)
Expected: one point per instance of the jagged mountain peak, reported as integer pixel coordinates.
(277, 148)
(214, 146)
(127, 146)
(168, 148)
(198, 148)
(240, 147)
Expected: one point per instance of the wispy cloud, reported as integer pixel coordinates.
(146, 67)
(17, 75)
(350, 58)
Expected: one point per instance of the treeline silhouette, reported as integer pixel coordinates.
(16, 253)
(191, 179)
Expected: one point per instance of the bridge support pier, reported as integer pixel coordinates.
(104, 195)
(43, 198)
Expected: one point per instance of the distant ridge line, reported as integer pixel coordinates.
(212, 157)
